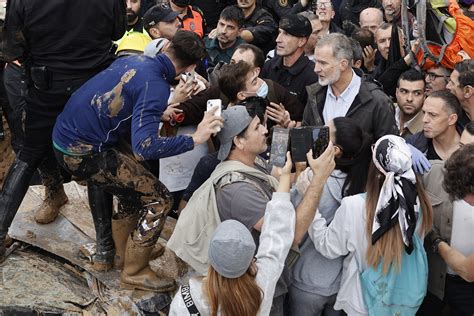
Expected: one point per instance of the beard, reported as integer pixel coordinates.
(131, 16)
(333, 77)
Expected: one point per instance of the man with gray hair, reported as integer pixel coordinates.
(341, 91)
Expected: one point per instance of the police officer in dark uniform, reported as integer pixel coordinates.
(260, 28)
(282, 8)
(62, 44)
(290, 67)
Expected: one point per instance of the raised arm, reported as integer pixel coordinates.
(322, 169)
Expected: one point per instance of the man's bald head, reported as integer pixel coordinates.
(370, 19)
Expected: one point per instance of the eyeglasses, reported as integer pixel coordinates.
(433, 76)
(323, 5)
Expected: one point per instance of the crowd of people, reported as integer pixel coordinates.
(121, 94)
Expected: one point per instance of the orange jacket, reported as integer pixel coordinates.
(193, 21)
(462, 40)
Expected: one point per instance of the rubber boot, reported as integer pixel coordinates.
(14, 189)
(100, 203)
(121, 229)
(137, 273)
(49, 210)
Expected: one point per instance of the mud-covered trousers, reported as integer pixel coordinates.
(119, 174)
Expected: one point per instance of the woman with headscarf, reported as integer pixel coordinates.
(378, 230)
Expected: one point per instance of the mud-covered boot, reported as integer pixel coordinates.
(49, 210)
(137, 273)
(121, 230)
(101, 205)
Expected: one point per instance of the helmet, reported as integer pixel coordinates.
(133, 43)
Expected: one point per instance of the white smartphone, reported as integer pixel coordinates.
(188, 76)
(212, 103)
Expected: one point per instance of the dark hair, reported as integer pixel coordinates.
(364, 37)
(469, 127)
(356, 51)
(187, 48)
(259, 60)
(450, 101)
(355, 146)
(384, 26)
(232, 79)
(411, 75)
(256, 106)
(466, 72)
(459, 172)
(233, 13)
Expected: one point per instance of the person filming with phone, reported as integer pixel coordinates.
(316, 279)
(239, 189)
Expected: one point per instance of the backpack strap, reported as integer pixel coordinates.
(188, 300)
(235, 176)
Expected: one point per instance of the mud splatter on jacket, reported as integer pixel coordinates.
(128, 98)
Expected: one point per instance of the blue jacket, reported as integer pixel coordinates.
(128, 98)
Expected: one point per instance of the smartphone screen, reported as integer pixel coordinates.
(301, 141)
(279, 146)
(320, 140)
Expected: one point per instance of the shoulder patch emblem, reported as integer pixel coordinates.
(283, 3)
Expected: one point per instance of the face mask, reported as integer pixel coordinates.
(263, 90)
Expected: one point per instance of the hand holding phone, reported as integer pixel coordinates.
(215, 103)
(320, 140)
(280, 139)
(188, 77)
(322, 166)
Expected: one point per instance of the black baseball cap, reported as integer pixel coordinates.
(158, 13)
(296, 25)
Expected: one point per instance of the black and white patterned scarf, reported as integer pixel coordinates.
(398, 196)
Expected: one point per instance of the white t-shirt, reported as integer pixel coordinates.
(463, 222)
(176, 171)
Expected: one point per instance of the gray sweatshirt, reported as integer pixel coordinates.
(313, 272)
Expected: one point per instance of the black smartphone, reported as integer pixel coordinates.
(301, 140)
(320, 140)
(279, 146)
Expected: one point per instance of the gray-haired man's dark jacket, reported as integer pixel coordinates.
(372, 109)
